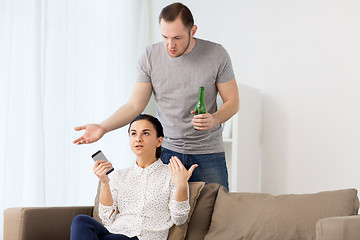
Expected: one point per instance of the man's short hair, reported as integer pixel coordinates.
(172, 11)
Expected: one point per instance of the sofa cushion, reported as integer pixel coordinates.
(201, 218)
(179, 232)
(264, 216)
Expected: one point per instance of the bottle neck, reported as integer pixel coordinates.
(201, 93)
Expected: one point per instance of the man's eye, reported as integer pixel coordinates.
(146, 133)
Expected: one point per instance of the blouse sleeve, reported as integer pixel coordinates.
(179, 211)
(108, 213)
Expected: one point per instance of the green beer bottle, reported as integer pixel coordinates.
(200, 107)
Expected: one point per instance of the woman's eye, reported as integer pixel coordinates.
(133, 134)
(146, 133)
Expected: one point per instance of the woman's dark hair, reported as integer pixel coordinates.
(172, 11)
(157, 125)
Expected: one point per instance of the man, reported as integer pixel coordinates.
(174, 74)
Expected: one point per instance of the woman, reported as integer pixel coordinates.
(141, 202)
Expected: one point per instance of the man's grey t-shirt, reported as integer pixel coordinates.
(176, 83)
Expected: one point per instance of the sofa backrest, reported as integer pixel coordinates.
(263, 216)
(218, 213)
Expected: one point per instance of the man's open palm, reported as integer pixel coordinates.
(93, 132)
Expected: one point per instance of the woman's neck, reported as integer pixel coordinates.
(144, 162)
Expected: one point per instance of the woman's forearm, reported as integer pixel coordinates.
(181, 193)
(105, 195)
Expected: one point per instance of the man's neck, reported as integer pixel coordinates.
(191, 45)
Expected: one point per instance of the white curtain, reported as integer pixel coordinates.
(63, 63)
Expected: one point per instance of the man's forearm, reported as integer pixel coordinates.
(127, 112)
(226, 111)
(123, 116)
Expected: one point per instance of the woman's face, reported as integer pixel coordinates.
(143, 138)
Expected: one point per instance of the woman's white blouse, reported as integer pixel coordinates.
(144, 203)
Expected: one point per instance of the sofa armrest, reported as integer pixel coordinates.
(338, 228)
(34, 223)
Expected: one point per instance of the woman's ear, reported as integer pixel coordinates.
(160, 139)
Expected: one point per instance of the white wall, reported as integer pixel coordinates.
(304, 56)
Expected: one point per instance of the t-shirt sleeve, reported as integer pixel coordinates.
(143, 69)
(225, 72)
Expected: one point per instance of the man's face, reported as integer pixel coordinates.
(176, 37)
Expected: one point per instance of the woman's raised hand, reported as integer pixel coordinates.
(178, 172)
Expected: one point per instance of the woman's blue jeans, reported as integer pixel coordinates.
(85, 227)
(211, 167)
